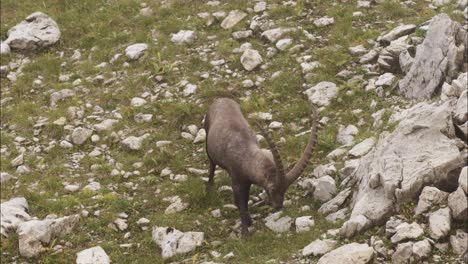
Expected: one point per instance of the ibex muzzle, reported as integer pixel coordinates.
(231, 143)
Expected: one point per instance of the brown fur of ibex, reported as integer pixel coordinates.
(232, 144)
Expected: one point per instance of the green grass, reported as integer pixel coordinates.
(99, 29)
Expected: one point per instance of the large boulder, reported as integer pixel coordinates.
(34, 234)
(37, 30)
(439, 57)
(13, 212)
(419, 152)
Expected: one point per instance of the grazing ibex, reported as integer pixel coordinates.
(231, 143)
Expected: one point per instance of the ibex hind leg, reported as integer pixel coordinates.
(211, 171)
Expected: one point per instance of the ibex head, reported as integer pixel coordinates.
(278, 180)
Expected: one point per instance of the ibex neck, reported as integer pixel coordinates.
(261, 159)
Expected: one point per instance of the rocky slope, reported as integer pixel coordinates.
(102, 130)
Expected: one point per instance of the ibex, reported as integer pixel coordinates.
(232, 144)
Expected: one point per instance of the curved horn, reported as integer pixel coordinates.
(300, 166)
(274, 151)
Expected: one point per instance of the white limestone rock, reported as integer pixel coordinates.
(349, 254)
(459, 242)
(439, 223)
(232, 19)
(173, 242)
(397, 32)
(322, 93)
(362, 148)
(324, 188)
(430, 196)
(35, 234)
(135, 51)
(418, 147)
(13, 212)
(319, 247)
(250, 59)
(324, 21)
(80, 135)
(406, 231)
(458, 203)
(94, 255)
(36, 31)
(278, 224)
(304, 223)
(184, 37)
(346, 134)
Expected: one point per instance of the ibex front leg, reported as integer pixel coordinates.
(241, 196)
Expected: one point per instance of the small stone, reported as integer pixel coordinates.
(260, 7)
(362, 148)
(324, 21)
(200, 137)
(172, 241)
(146, 12)
(357, 50)
(385, 79)
(93, 186)
(72, 188)
(439, 223)
(463, 179)
(19, 160)
(133, 143)
(319, 247)
(429, 197)
(304, 223)
(135, 51)
(403, 253)
(121, 224)
(94, 255)
(242, 34)
(337, 216)
(184, 37)
(322, 93)
(278, 224)
(324, 188)
(105, 125)
(459, 242)
(397, 32)
(457, 201)
(354, 225)
(250, 59)
(346, 134)
(138, 102)
(143, 221)
(283, 44)
(80, 135)
(422, 249)
(232, 19)
(406, 231)
(4, 48)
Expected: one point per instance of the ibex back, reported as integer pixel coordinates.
(232, 144)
